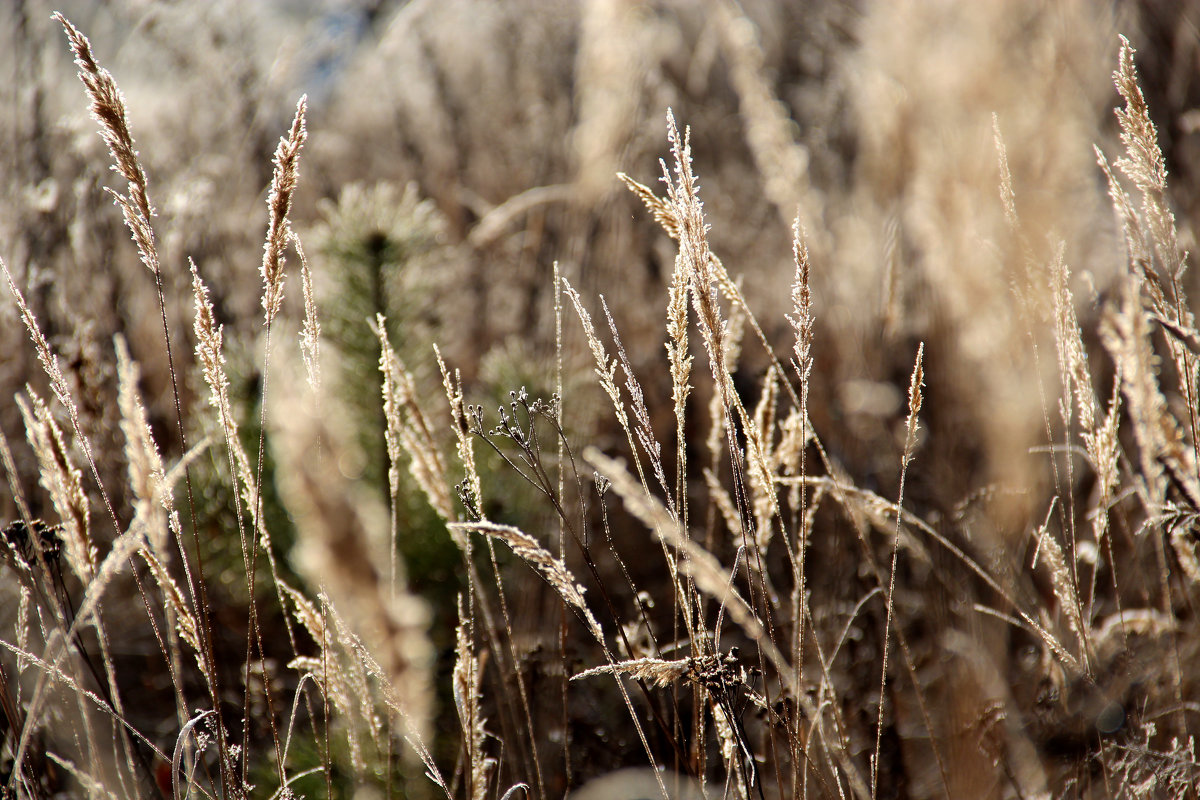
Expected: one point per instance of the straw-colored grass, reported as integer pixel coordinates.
(925, 527)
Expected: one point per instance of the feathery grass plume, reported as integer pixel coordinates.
(47, 357)
(669, 213)
(760, 454)
(279, 204)
(1077, 392)
(934, 219)
(552, 569)
(468, 673)
(1103, 447)
(641, 415)
(310, 335)
(695, 259)
(664, 213)
(391, 438)
(606, 371)
(1145, 166)
(790, 454)
(1126, 336)
(801, 318)
(306, 614)
(915, 400)
(1183, 542)
(1137, 248)
(185, 621)
(471, 490)
(655, 671)
(210, 355)
(681, 371)
(209, 352)
(341, 534)
(155, 517)
(719, 439)
(64, 482)
(1072, 356)
(70, 500)
(910, 442)
(1008, 197)
(606, 368)
(152, 502)
(118, 558)
(794, 437)
(342, 681)
(408, 428)
(108, 109)
(1063, 584)
(359, 667)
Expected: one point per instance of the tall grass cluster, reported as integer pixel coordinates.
(615, 399)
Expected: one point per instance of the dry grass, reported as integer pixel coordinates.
(926, 525)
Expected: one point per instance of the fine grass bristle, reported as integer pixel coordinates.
(310, 337)
(279, 204)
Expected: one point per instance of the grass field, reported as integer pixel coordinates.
(621, 398)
